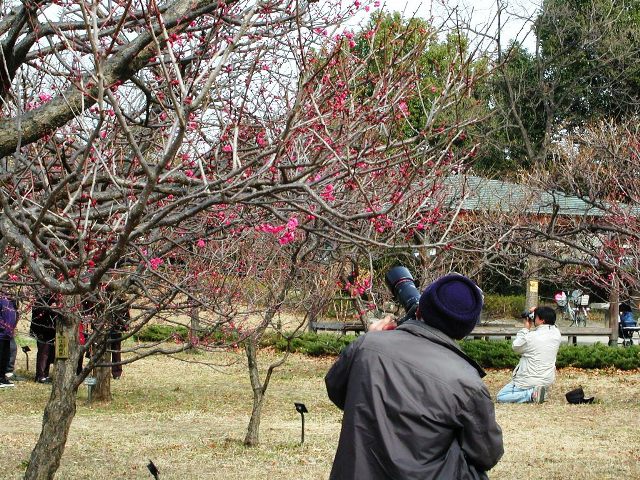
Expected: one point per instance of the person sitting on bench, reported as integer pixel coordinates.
(626, 320)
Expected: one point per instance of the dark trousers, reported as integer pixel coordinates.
(13, 351)
(44, 359)
(5, 351)
(115, 345)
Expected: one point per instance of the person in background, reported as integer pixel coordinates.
(43, 328)
(8, 322)
(415, 405)
(626, 320)
(13, 353)
(537, 343)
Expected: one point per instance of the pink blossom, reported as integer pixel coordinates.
(327, 193)
(103, 134)
(227, 148)
(44, 97)
(189, 173)
(403, 107)
(155, 263)
(200, 243)
(268, 228)
(287, 238)
(292, 224)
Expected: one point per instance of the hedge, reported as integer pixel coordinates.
(503, 306)
(163, 333)
(489, 354)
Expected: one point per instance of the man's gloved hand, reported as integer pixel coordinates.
(386, 323)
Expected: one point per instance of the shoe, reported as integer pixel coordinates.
(9, 375)
(538, 394)
(116, 378)
(5, 382)
(44, 380)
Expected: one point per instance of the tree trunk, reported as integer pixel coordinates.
(195, 324)
(59, 411)
(614, 311)
(253, 430)
(102, 390)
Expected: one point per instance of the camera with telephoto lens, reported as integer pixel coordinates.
(530, 315)
(401, 284)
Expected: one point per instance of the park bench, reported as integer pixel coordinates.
(342, 327)
(572, 333)
(627, 339)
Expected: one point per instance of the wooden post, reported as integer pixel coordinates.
(531, 293)
(531, 287)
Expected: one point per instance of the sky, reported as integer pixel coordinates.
(481, 13)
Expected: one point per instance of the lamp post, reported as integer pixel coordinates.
(301, 409)
(26, 351)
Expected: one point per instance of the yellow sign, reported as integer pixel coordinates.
(62, 346)
(533, 286)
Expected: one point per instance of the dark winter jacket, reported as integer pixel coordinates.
(627, 320)
(8, 317)
(43, 320)
(415, 407)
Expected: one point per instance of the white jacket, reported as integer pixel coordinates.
(538, 348)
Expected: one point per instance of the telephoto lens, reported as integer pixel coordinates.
(400, 281)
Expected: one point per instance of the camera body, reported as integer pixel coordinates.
(531, 315)
(405, 292)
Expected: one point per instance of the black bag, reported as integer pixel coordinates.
(576, 396)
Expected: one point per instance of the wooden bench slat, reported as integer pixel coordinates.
(483, 331)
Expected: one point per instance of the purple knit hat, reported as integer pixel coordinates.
(452, 304)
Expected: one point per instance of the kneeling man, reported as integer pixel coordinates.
(538, 344)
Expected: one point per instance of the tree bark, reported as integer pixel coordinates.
(59, 411)
(253, 430)
(195, 324)
(102, 390)
(614, 311)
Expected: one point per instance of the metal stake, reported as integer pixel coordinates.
(301, 409)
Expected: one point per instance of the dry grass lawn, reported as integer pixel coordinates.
(190, 420)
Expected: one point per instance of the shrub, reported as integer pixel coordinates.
(503, 305)
(489, 354)
(314, 344)
(160, 333)
(599, 356)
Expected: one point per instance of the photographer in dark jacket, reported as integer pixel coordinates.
(415, 406)
(43, 328)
